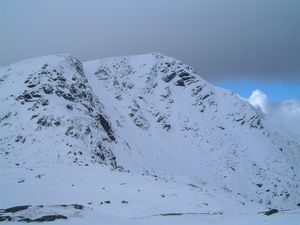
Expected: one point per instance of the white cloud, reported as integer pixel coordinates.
(285, 114)
(259, 100)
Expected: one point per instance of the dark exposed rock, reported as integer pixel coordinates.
(205, 96)
(167, 126)
(44, 102)
(61, 79)
(90, 109)
(43, 122)
(6, 116)
(171, 214)
(20, 138)
(16, 208)
(169, 77)
(45, 66)
(141, 122)
(39, 176)
(5, 218)
(47, 89)
(57, 123)
(28, 220)
(106, 126)
(77, 206)
(100, 155)
(69, 97)
(187, 77)
(70, 107)
(31, 85)
(46, 218)
(59, 92)
(184, 74)
(270, 212)
(196, 90)
(34, 95)
(27, 96)
(12, 214)
(180, 83)
(160, 118)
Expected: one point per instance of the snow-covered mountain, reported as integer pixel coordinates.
(176, 123)
(146, 114)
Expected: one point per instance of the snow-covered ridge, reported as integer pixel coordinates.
(148, 114)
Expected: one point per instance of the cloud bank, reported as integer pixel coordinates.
(285, 114)
(220, 39)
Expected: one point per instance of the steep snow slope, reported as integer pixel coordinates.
(48, 114)
(175, 123)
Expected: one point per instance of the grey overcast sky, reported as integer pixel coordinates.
(257, 39)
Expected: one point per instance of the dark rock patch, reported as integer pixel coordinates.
(70, 107)
(46, 218)
(45, 66)
(44, 102)
(57, 123)
(5, 116)
(171, 214)
(20, 138)
(180, 83)
(167, 126)
(16, 208)
(205, 96)
(34, 95)
(270, 212)
(106, 126)
(69, 97)
(169, 77)
(48, 89)
(5, 218)
(31, 85)
(77, 206)
(43, 122)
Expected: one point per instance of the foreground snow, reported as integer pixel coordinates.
(134, 199)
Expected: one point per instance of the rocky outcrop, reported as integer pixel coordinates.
(55, 96)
